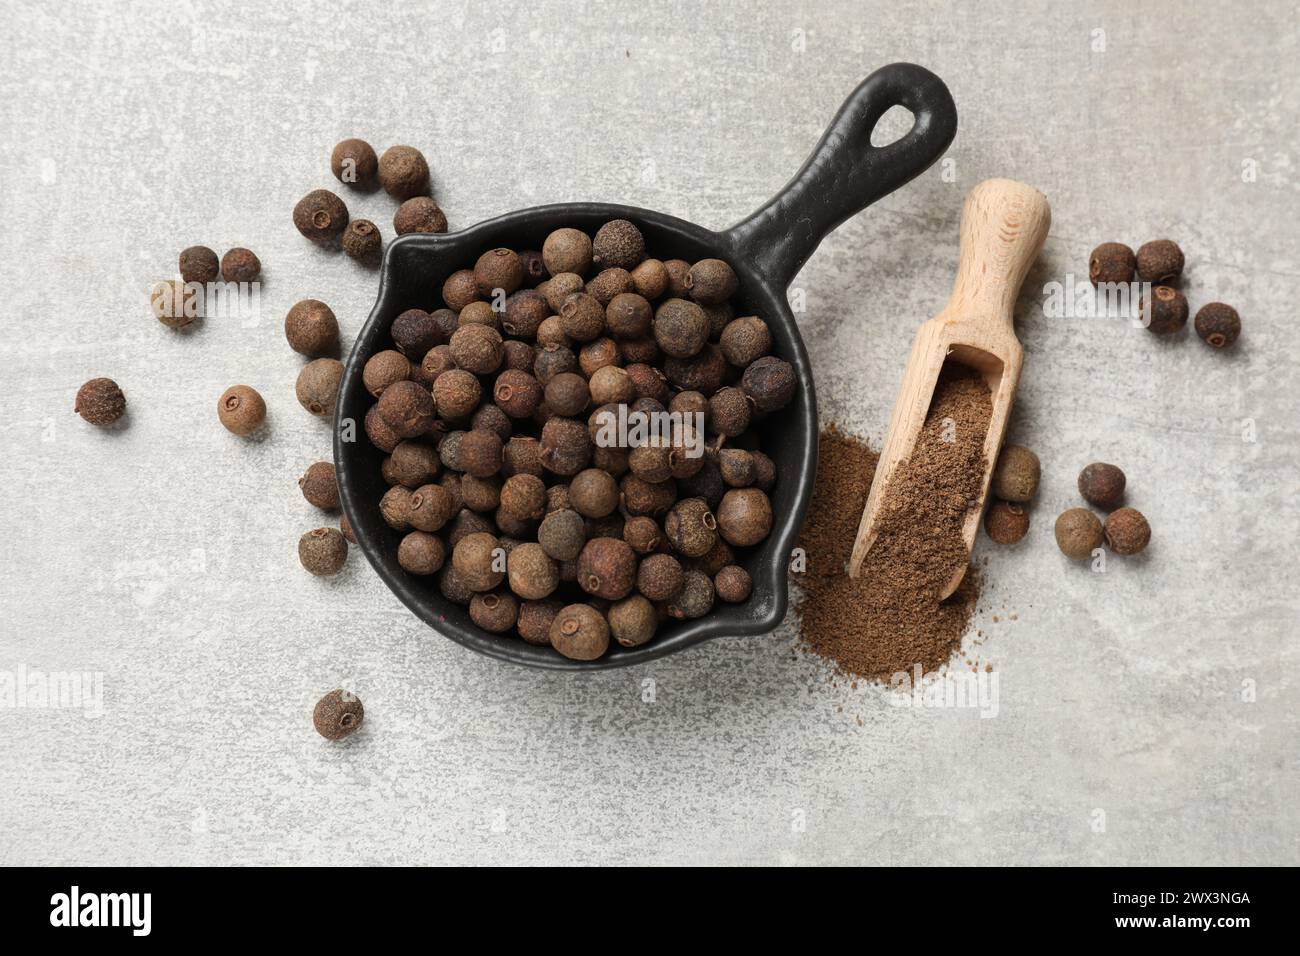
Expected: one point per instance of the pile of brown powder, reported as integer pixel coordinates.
(890, 618)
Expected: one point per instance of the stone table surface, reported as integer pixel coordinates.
(1145, 715)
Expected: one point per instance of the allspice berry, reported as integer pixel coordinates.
(1006, 522)
(354, 163)
(498, 269)
(567, 393)
(679, 278)
(582, 317)
(525, 312)
(414, 332)
(517, 394)
(618, 244)
(241, 409)
(1218, 324)
(745, 340)
(337, 715)
(380, 435)
(562, 534)
(607, 568)
(323, 551)
(1159, 261)
(712, 282)
(628, 315)
(1111, 262)
(384, 369)
(403, 172)
(660, 577)
(480, 453)
(534, 622)
(419, 214)
(691, 527)
(1102, 485)
(580, 633)
(361, 240)
(429, 508)
(240, 265)
(733, 584)
(460, 289)
(566, 446)
(199, 264)
(1164, 310)
(174, 303)
(609, 283)
(321, 216)
(559, 287)
(495, 612)
(531, 572)
(650, 279)
(421, 553)
(737, 467)
(319, 486)
(1078, 533)
(1126, 531)
(407, 408)
(642, 534)
(770, 383)
(395, 507)
(477, 349)
(729, 412)
(593, 493)
(680, 328)
(567, 250)
(1016, 476)
(479, 560)
(632, 621)
(744, 517)
(611, 385)
(312, 329)
(456, 394)
(524, 497)
(695, 599)
(413, 463)
(100, 402)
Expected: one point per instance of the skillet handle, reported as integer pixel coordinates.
(844, 173)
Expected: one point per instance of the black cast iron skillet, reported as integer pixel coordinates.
(844, 175)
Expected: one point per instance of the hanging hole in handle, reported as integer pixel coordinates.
(897, 122)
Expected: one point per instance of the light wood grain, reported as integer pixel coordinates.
(1003, 226)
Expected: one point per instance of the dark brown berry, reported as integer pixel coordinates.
(395, 507)
(317, 387)
(479, 561)
(737, 467)
(517, 393)
(241, 409)
(460, 290)
(764, 472)
(531, 572)
(481, 494)
(1102, 485)
(1218, 324)
(524, 497)
(384, 369)
(1016, 476)
(174, 303)
(452, 587)
(407, 408)
(691, 527)
(414, 332)
(593, 493)
(607, 568)
(323, 552)
(770, 383)
(704, 372)
(1078, 533)
(609, 284)
(321, 216)
(618, 244)
(519, 355)
(498, 269)
(745, 340)
(477, 349)
(597, 354)
(562, 534)
(100, 402)
(380, 435)
(652, 461)
(695, 599)
(582, 317)
(1164, 310)
(650, 279)
(567, 394)
(199, 264)
(717, 558)
(729, 412)
(566, 446)
(559, 287)
(495, 612)
(719, 316)
(480, 453)
(456, 393)
(421, 553)
(744, 517)
(535, 617)
(413, 463)
(1127, 532)
(319, 486)
(642, 534)
(660, 577)
(712, 282)
(567, 250)
(522, 456)
(641, 351)
(553, 360)
(361, 240)
(1111, 262)
(641, 497)
(580, 633)
(403, 172)
(354, 162)
(628, 316)
(679, 278)
(1006, 522)
(680, 328)
(611, 385)
(733, 584)
(311, 329)
(632, 621)
(525, 312)
(419, 214)
(1159, 261)
(534, 267)
(337, 714)
(240, 265)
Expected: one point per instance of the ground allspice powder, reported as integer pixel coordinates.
(890, 618)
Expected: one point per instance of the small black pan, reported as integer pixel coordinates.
(844, 175)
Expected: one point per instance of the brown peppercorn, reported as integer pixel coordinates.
(553, 360)
(717, 558)
(567, 250)
(174, 303)
(650, 279)
(770, 383)
(362, 241)
(580, 633)
(323, 551)
(477, 349)
(413, 463)
(403, 172)
(660, 577)
(632, 621)
(498, 269)
(354, 162)
(240, 265)
(480, 453)
(706, 483)
(1159, 261)
(593, 493)
(241, 409)
(524, 497)
(493, 419)
(467, 523)
(703, 373)
(641, 497)
(535, 617)
(380, 435)
(396, 506)
(729, 412)
(1164, 310)
(311, 329)
(679, 278)
(531, 573)
(1017, 473)
(1218, 324)
(652, 461)
(407, 408)
(1078, 533)
(597, 354)
(618, 244)
(640, 351)
(680, 328)
(456, 394)
(495, 612)
(1127, 532)
(628, 316)
(691, 527)
(567, 394)
(517, 393)
(566, 446)
(519, 355)
(559, 287)
(452, 587)
(100, 402)
(764, 472)
(712, 282)
(481, 494)
(199, 264)
(1006, 522)
(1102, 485)
(460, 289)
(695, 599)
(525, 312)
(719, 316)
(319, 486)
(745, 340)
(608, 284)
(642, 534)
(582, 317)
(414, 332)
(611, 385)
(419, 214)
(562, 534)
(429, 508)
(479, 313)
(421, 553)
(337, 714)
(479, 560)
(744, 517)
(534, 267)
(733, 584)
(648, 382)
(522, 456)
(737, 467)
(384, 369)
(607, 568)
(1111, 262)
(321, 216)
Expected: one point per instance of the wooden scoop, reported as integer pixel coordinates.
(1003, 226)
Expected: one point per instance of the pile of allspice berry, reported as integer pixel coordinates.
(491, 410)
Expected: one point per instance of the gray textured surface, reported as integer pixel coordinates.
(163, 555)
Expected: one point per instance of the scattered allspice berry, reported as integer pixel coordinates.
(1127, 531)
(1102, 485)
(1164, 309)
(1111, 262)
(100, 401)
(174, 303)
(419, 214)
(1159, 261)
(337, 715)
(240, 265)
(199, 264)
(1016, 476)
(361, 240)
(317, 387)
(354, 162)
(1006, 522)
(319, 486)
(321, 216)
(241, 409)
(1078, 533)
(312, 329)
(1218, 324)
(323, 551)
(403, 172)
